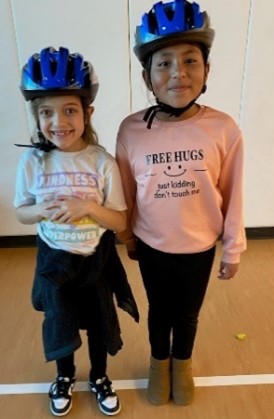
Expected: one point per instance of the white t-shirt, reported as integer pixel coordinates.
(91, 173)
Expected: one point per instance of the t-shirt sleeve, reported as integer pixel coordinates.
(113, 189)
(23, 196)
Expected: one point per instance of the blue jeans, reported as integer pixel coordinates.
(175, 285)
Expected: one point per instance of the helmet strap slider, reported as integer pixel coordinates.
(162, 107)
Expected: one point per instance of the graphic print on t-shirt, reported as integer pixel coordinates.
(177, 172)
(77, 184)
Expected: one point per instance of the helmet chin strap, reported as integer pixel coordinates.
(43, 143)
(162, 107)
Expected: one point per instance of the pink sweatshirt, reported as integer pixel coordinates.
(183, 183)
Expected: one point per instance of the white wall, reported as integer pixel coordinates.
(241, 80)
(257, 116)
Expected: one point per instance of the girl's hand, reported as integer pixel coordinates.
(68, 210)
(43, 211)
(228, 270)
(31, 214)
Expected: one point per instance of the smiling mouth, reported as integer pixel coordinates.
(179, 88)
(60, 133)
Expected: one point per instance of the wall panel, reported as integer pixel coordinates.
(13, 126)
(257, 117)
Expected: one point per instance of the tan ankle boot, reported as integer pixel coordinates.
(158, 391)
(182, 381)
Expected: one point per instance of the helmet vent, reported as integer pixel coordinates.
(70, 71)
(54, 72)
(169, 24)
(189, 15)
(36, 69)
(53, 66)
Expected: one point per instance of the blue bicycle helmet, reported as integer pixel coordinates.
(169, 24)
(53, 72)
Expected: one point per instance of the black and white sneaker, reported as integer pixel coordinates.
(106, 396)
(60, 394)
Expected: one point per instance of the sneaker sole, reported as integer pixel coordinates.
(61, 414)
(110, 413)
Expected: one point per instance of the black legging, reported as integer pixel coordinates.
(176, 286)
(87, 297)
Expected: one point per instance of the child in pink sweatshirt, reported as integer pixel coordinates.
(182, 167)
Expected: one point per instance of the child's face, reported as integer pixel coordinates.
(178, 74)
(61, 120)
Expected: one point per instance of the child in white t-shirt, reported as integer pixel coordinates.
(70, 187)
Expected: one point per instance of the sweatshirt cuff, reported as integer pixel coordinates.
(229, 258)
